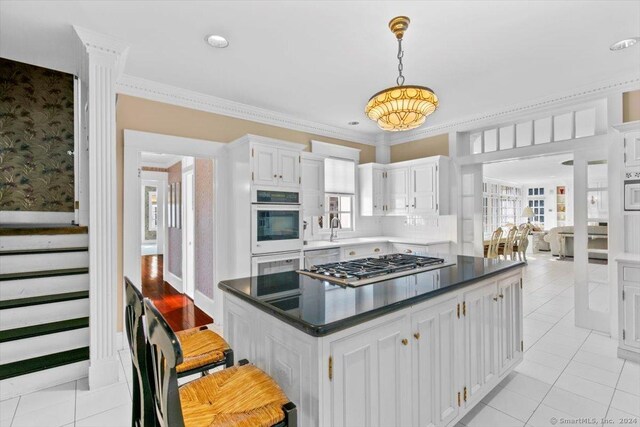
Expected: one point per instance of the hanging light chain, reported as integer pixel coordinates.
(400, 79)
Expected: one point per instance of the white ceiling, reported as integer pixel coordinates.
(158, 160)
(321, 61)
(540, 170)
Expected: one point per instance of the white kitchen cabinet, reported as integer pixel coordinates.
(436, 356)
(480, 311)
(372, 189)
(632, 149)
(629, 309)
(275, 167)
(414, 187)
(369, 374)
(289, 168)
(265, 165)
(510, 346)
(364, 250)
(423, 187)
(397, 191)
(312, 176)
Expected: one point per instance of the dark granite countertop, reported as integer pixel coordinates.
(319, 308)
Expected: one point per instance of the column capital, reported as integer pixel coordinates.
(94, 44)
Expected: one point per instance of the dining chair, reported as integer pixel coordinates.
(492, 250)
(507, 250)
(522, 241)
(241, 395)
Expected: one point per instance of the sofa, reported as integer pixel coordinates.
(553, 239)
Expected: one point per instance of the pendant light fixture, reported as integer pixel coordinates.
(401, 107)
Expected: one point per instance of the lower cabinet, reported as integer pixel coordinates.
(430, 365)
(369, 377)
(629, 309)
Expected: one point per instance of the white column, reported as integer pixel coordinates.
(101, 59)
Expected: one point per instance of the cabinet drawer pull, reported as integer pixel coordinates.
(408, 251)
(417, 335)
(501, 296)
(405, 341)
(352, 253)
(495, 298)
(376, 250)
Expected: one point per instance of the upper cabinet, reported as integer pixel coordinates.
(632, 149)
(416, 187)
(312, 173)
(274, 166)
(372, 189)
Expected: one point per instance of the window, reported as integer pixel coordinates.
(339, 206)
(339, 187)
(502, 205)
(535, 198)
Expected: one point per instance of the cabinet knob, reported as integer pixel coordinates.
(280, 176)
(495, 298)
(413, 206)
(417, 335)
(501, 296)
(275, 176)
(375, 206)
(405, 341)
(376, 250)
(352, 253)
(406, 206)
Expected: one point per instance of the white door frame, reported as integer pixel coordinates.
(136, 142)
(188, 230)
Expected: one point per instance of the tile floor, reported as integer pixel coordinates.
(567, 373)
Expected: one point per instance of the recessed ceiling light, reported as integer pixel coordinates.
(353, 123)
(623, 44)
(217, 41)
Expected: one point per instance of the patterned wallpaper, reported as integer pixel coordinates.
(36, 137)
(204, 226)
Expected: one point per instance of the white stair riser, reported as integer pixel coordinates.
(29, 383)
(27, 348)
(13, 289)
(39, 262)
(43, 313)
(14, 243)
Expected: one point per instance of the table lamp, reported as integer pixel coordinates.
(528, 213)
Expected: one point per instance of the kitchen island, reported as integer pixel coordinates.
(422, 349)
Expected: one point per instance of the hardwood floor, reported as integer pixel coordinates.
(179, 310)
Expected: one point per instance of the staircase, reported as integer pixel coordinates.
(44, 307)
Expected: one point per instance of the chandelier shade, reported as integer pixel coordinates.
(401, 108)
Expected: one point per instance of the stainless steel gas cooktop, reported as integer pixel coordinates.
(363, 271)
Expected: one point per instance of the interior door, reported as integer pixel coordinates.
(370, 371)
(631, 315)
(265, 165)
(424, 180)
(509, 335)
(398, 188)
(289, 168)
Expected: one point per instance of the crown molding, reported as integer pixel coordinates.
(143, 88)
(521, 110)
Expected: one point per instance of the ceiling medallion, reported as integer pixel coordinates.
(401, 107)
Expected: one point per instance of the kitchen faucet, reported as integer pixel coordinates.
(335, 223)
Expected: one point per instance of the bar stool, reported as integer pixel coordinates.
(241, 395)
(205, 350)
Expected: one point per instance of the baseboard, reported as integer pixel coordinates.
(29, 383)
(633, 356)
(204, 303)
(174, 281)
(20, 217)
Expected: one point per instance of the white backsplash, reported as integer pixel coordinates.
(365, 227)
(416, 226)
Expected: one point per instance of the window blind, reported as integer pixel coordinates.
(339, 176)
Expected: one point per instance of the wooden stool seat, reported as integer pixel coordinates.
(238, 396)
(200, 347)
